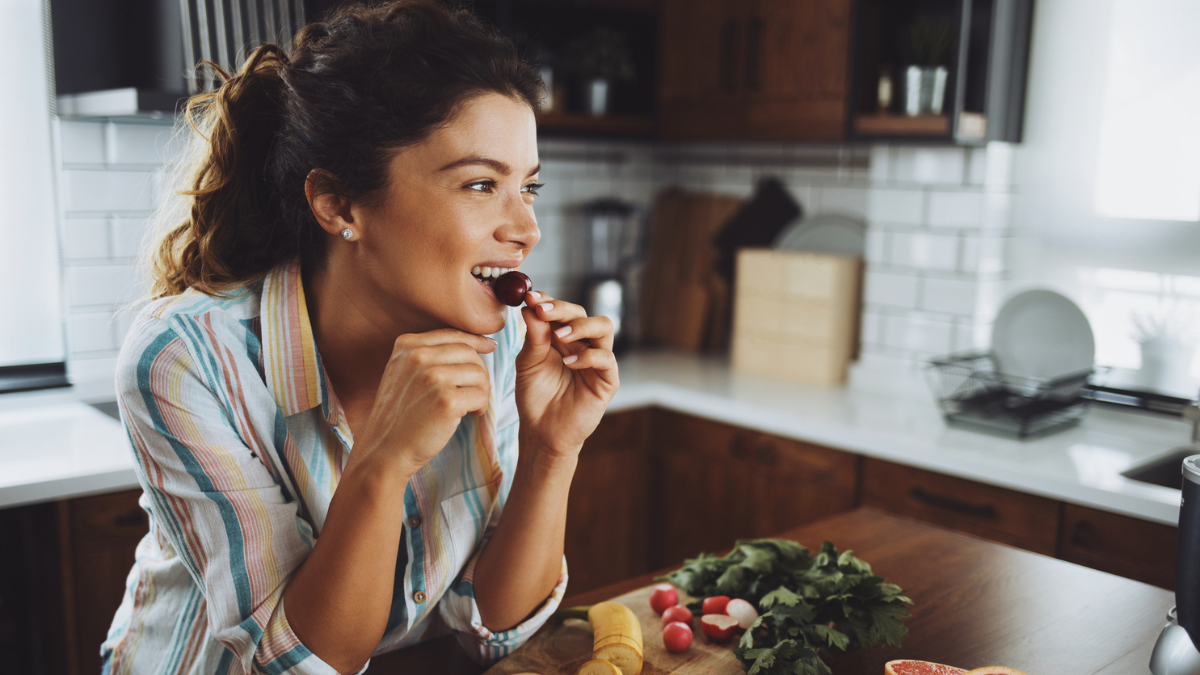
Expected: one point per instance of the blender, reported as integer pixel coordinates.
(613, 231)
(1177, 651)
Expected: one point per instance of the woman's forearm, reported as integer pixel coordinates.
(338, 601)
(523, 559)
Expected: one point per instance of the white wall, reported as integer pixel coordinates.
(1109, 130)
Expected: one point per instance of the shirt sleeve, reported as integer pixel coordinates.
(458, 607)
(214, 499)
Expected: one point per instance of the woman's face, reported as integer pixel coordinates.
(462, 198)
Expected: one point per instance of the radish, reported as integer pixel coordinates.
(743, 611)
(677, 613)
(715, 604)
(677, 637)
(662, 597)
(718, 627)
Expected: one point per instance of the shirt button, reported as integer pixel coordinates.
(414, 522)
(419, 596)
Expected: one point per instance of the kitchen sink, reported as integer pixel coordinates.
(1167, 470)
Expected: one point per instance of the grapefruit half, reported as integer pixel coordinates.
(907, 667)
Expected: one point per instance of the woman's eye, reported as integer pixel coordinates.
(484, 186)
(533, 188)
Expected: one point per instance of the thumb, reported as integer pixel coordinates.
(537, 339)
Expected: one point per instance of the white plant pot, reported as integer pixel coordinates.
(597, 94)
(1166, 364)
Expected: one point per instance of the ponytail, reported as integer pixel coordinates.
(231, 233)
(359, 85)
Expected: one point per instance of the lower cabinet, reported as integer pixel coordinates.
(1119, 544)
(1006, 516)
(715, 483)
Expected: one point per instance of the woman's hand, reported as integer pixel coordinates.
(566, 373)
(431, 381)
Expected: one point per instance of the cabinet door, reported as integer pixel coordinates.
(702, 50)
(1126, 546)
(796, 69)
(98, 536)
(715, 484)
(1002, 515)
(606, 510)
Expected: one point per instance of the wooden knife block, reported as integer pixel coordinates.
(795, 315)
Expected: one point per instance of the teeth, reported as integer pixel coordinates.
(475, 270)
(487, 272)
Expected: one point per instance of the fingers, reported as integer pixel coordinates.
(600, 361)
(456, 375)
(598, 330)
(446, 336)
(549, 309)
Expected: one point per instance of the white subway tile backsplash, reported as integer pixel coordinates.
(108, 285)
(881, 164)
(999, 166)
(977, 166)
(924, 250)
(141, 144)
(997, 211)
(963, 297)
(918, 334)
(956, 209)
(128, 236)
(95, 190)
(82, 142)
(91, 332)
(84, 238)
(930, 166)
(902, 207)
(846, 201)
(93, 369)
(871, 330)
(876, 245)
(892, 290)
(971, 335)
(983, 254)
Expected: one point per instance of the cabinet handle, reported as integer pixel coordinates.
(738, 447)
(951, 504)
(754, 30)
(1079, 533)
(729, 47)
(765, 454)
(132, 518)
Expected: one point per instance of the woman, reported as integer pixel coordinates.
(326, 434)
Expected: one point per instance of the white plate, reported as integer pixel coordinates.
(1043, 335)
(826, 233)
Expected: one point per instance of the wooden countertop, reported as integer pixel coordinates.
(977, 604)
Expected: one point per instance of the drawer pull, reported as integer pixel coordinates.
(1080, 532)
(951, 504)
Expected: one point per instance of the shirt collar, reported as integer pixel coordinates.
(292, 365)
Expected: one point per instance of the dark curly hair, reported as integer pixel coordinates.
(358, 85)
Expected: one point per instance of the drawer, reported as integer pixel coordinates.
(1129, 547)
(1006, 516)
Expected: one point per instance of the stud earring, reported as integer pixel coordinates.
(347, 233)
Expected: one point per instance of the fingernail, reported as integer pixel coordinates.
(563, 332)
(493, 341)
(546, 306)
(571, 359)
(535, 294)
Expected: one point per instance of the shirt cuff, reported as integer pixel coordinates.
(484, 645)
(280, 652)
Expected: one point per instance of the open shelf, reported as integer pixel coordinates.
(607, 125)
(899, 125)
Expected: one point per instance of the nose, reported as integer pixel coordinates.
(520, 225)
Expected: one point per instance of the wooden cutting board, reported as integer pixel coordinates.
(561, 650)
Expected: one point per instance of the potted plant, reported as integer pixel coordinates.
(599, 58)
(925, 78)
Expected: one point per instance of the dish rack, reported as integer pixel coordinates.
(972, 394)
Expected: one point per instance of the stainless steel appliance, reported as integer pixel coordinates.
(613, 232)
(1177, 651)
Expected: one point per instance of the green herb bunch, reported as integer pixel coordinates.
(807, 603)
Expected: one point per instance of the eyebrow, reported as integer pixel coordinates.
(495, 164)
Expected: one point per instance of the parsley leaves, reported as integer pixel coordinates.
(828, 601)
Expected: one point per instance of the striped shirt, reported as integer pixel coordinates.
(239, 444)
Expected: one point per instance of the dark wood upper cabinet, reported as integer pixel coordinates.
(982, 49)
(763, 69)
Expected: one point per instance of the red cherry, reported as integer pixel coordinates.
(511, 288)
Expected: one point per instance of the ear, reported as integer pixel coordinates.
(332, 210)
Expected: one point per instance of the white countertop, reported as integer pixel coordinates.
(892, 415)
(53, 446)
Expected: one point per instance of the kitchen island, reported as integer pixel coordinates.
(976, 603)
